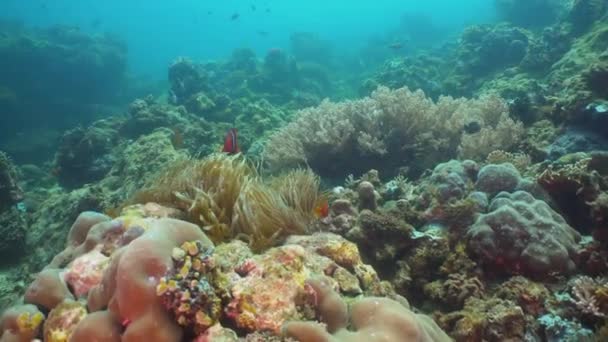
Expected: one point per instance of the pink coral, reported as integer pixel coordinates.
(48, 289)
(266, 296)
(86, 272)
(21, 323)
(373, 319)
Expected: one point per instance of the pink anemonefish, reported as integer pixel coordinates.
(231, 145)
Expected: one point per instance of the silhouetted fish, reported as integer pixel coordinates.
(472, 127)
(263, 33)
(235, 16)
(253, 8)
(396, 46)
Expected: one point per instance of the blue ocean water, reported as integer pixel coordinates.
(156, 31)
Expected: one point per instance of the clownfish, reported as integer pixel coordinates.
(231, 145)
(321, 209)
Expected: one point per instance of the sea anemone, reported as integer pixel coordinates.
(225, 196)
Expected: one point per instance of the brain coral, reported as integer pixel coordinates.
(520, 234)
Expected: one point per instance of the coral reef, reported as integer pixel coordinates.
(165, 281)
(489, 210)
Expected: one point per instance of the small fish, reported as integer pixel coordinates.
(253, 8)
(396, 46)
(209, 12)
(268, 10)
(235, 16)
(231, 145)
(321, 210)
(263, 33)
(96, 23)
(472, 127)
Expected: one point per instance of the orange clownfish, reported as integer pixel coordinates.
(321, 210)
(231, 145)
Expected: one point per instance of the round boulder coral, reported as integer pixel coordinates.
(522, 235)
(495, 178)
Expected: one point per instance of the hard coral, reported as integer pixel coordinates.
(85, 272)
(267, 295)
(62, 321)
(481, 319)
(576, 183)
(454, 291)
(522, 235)
(21, 323)
(591, 296)
(128, 288)
(193, 293)
(48, 289)
(373, 319)
(530, 296)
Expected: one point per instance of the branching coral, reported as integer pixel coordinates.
(591, 296)
(530, 296)
(454, 291)
(521, 161)
(485, 320)
(392, 123)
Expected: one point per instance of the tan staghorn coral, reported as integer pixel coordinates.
(390, 125)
